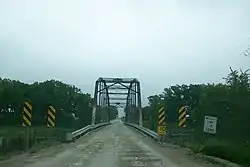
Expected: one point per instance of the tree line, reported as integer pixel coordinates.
(73, 107)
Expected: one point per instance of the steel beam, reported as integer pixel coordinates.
(94, 103)
(117, 98)
(107, 94)
(117, 87)
(115, 93)
(139, 103)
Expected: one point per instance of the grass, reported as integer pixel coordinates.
(237, 153)
(39, 137)
(233, 152)
(41, 145)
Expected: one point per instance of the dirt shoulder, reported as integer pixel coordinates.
(185, 157)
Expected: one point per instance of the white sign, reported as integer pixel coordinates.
(210, 124)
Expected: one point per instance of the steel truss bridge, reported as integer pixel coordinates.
(119, 92)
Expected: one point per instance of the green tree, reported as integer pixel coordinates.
(71, 104)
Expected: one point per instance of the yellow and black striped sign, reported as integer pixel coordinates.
(51, 117)
(27, 114)
(161, 121)
(161, 116)
(182, 117)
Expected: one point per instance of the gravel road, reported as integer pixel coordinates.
(113, 146)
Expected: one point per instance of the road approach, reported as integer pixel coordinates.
(113, 146)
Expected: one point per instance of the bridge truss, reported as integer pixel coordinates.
(117, 92)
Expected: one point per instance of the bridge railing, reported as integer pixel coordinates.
(80, 132)
(144, 130)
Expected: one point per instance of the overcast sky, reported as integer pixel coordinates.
(161, 43)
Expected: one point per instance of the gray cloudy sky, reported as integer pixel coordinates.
(161, 42)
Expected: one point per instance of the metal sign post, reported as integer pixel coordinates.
(27, 121)
(161, 123)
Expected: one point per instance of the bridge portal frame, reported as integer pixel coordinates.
(104, 89)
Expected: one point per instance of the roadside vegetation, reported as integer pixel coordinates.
(73, 111)
(229, 102)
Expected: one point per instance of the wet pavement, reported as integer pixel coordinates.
(114, 146)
